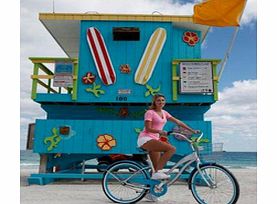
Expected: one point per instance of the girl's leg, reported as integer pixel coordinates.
(155, 158)
(158, 146)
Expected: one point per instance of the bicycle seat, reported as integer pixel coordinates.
(142, 150)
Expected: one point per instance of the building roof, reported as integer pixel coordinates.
(65, 27)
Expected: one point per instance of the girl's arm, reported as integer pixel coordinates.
(148, 128)
(180, 123)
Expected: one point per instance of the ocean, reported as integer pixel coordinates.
(28, 159)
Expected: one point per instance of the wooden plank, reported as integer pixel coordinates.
(69, 175)
(47, 77)
(115, 17)
(43, 163)
(30, 137)
(215, 81)
(45, 69)
(75, 82)
(52, 59)
(174, 82)
(42, 76)
(35, 81)
(46, 86)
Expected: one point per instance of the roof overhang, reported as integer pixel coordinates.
(65, 27)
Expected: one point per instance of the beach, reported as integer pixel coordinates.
(86, 192)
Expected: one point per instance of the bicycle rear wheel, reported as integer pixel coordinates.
(223, 189)
(123, 182)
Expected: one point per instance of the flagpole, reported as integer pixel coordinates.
(226, 57)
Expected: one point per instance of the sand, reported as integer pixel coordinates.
(90, 192)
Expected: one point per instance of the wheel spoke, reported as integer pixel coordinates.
(120, 182)
(224, 187)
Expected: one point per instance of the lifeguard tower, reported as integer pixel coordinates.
(96, 98)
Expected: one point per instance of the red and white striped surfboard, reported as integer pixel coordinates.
(101, 56)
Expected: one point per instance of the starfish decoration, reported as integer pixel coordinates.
(151, 91)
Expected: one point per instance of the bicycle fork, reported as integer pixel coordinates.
(211, 183)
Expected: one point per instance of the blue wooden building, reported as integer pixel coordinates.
(96, 98)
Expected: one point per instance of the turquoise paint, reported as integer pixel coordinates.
(130, 52)
(108, 112)
(90, 116)
(87, 131)
(186, 98)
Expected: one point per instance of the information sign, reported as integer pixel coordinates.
(196, 77)
(63, 75)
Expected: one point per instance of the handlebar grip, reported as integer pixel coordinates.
(169, 132)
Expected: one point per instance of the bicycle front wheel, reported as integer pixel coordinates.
(216, 185)
(123, 182)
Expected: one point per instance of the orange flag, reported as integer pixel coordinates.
(219, 12)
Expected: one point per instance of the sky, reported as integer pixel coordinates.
(234, 116)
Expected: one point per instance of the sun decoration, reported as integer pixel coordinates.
(89, 78)
(106, 142)
(191, 38)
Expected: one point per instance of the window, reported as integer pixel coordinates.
(126, 34)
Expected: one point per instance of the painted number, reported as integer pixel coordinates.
(121, 98)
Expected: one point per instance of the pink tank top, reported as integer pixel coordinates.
(158, 123)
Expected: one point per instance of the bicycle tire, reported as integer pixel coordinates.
(116, 191)
(199, 187)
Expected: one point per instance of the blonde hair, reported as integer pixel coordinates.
(153, 105)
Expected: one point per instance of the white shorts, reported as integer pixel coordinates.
(142, 140)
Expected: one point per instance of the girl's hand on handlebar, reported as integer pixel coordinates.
(196, 131)
(162, 133)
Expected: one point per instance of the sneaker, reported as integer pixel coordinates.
(160, 175)
(151, 197)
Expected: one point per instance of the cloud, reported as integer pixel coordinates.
(250, 12)
(234, 116)
(125, 6)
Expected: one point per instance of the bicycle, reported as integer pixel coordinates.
(210, 183)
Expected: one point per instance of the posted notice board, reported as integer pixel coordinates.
(63, 76)
(196, 77)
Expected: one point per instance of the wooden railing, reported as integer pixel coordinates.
(49, 75)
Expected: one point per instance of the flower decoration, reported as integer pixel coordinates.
(123, 112)
(89, 78)
(125, 69)
(106, 142)
(191, 38)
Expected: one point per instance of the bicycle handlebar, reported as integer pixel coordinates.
(184, 136)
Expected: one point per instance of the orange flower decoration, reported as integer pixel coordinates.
(190, 38)
(106, 142)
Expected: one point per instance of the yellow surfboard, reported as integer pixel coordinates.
(150, 56)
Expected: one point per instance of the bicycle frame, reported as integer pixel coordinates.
(186, 161)
(132, 175)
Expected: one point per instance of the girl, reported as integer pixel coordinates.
(149, 139)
